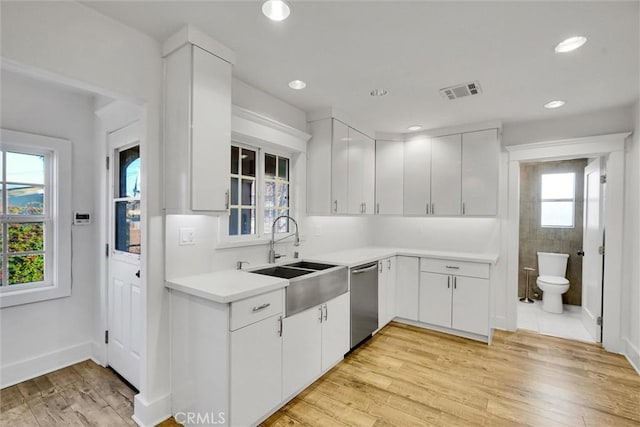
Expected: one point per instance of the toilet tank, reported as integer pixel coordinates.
(552, 264)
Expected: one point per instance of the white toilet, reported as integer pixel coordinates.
(552, 268)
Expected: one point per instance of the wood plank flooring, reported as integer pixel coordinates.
(404, 376)
(407, 376)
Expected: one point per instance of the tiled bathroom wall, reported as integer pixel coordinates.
(534, 238)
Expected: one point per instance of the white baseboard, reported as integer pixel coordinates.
(24, 370)
(99, 353)
(632, 354)
(149, 414)
(463, 334)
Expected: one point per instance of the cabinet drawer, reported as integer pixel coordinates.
(253, 309)
(458, 268)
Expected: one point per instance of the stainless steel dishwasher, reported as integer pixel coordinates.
(364, 302)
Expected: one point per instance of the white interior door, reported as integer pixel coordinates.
(593, 240)
(125, 247)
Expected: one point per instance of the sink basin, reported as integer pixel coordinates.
(283, 272)
(308, 265)
(310, 283)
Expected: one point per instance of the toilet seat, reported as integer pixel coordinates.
(553, 280)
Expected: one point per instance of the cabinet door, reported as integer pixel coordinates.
(391, 266)
(357, 154)
(389, 171)
(339, 167)
(471, 305)
(301, 350)
(210, 132)
(335, 330)
(435, 299)
(319, 160)
(407, 287)
(383, 290)
(256, 382)
(446, 175)
(417, 176)
(480, 164)
(369, 175)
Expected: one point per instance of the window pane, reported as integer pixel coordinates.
(283, 224)
(269, 194)
(129, 174)
(233, 222)
(25, 168)
(25, 199)
(127, 229)
(234, 191)
(270, 165)
(235, 156)
(25, 237)
(25, 269)
(248, 221)
(248, 192)
(283, 168)
(269, 216)
(556, 214)
(283, 195)
(248, 158)
(1, 271)
(558, 186)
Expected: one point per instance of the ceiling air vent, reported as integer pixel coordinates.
(462, 90)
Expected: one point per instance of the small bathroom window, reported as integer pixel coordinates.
(557, 200)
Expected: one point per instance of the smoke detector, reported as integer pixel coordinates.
(461, 90)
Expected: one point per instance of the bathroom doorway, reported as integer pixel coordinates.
(552, 221)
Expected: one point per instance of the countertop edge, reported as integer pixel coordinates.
(226, 299)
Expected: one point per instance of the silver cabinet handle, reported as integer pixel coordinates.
(455, 282)
(433, 211)
(378, 208)
(463, 208)
(261, 307)
(365, 207)
(320, 310)
(380, 266)
(326, 312)
(453, 267)
(280, 326)
(364, 270)
(335, 206)
(389, 264)
(427, 209)
(448, 282)
(226, 200)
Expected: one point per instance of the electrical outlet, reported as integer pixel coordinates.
(187, 236)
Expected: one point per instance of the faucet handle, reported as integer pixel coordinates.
(239, 264)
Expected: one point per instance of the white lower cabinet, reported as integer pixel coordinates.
(407, 287)
(256, 386)
(453, 300)
(386, 291)
(313, 341)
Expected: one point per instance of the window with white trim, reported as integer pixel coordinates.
(557, 200)
(259, 191)
(33, 264)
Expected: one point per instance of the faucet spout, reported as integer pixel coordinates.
(272, 251)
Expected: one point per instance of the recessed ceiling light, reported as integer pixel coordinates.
(297, 84)
(572, 43)
(379, 92)
(414, 128)
(276, 10)
(554, 104)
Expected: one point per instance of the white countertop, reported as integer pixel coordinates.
(354, 257)
(226, 286)
(232, 285)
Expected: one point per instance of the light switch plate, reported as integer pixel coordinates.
(187, 236)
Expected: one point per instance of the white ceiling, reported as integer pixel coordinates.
(343, 50)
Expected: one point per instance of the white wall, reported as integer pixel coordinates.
(613, 120)
(71, 41)
(59, 329)
(631, 262)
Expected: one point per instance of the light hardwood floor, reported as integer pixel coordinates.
(406, 376)
(403, 376)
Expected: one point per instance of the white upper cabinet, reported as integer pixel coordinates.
(480, 164)
(417, 176)
(340, 164)
(340, 170)
(446, 178)
(197, 130)
(389, 179)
